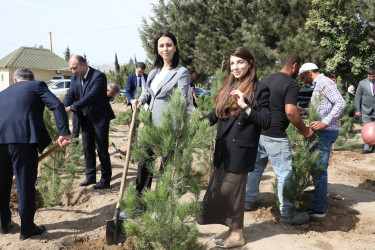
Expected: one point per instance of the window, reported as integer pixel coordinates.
(60, 85)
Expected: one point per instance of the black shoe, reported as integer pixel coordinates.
(87, 182)
(102, 185)
(4, 230)
(365, 151)
(38, 230)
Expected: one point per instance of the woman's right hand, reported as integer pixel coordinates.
(136, 103)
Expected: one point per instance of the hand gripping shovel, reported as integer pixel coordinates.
(114, 233)
(55, 147)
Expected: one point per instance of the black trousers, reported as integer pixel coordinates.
(144, 175)
(95, 137)
(23, 160)
(76, 126)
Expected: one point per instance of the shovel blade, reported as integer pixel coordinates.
(114, 233)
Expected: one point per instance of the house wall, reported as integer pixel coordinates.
(6, 76)
(46, 75)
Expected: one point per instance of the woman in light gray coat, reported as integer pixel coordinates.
(165, 75)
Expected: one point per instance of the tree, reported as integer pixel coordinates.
(119, 77)
(67, 54)
(60, 168)
(117, 66)
(84, 56)
(207, 29)
(340, 28)
(166, 222)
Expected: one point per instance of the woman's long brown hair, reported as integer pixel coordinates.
(226, 104)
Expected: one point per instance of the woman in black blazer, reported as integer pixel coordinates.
(242, 110)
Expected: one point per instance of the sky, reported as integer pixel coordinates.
(98, 28)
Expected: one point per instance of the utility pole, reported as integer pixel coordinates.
(50, 39)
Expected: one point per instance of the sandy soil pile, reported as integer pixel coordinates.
(350, 223)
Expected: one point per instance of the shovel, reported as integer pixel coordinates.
(114, 233)
(55, 147)
(113, 144)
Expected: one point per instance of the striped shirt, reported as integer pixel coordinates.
(331, 103)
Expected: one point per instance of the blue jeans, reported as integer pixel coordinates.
(326, 139)
(279, 152)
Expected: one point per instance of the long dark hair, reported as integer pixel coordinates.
(226, 104)
(159, 62)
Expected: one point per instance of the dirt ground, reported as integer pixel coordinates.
(350, 223)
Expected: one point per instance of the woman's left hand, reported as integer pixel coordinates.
(240, 97)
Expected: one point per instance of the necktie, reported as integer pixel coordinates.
(83, 81)
(140, 82)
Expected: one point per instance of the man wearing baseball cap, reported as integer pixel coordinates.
(328, 101)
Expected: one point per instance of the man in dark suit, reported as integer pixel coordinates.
(22, 134)
(87, 97)
(135, 81)
(365, 103)
(112, 91)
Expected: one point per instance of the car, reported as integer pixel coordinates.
(199, 92)
(59, 87)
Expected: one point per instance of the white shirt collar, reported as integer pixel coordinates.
(88, 68)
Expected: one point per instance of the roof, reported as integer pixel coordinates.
(34, 58)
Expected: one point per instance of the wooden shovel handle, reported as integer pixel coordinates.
(127, 158)
(55, 147)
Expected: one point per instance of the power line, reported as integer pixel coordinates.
(96, 30)
(70, 33)
(7, 44)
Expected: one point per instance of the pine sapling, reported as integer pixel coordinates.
(168, 221)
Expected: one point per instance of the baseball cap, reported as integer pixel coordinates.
(307, 66)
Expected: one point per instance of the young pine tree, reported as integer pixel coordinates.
(304, 160)
(168, 222)
(64, 161)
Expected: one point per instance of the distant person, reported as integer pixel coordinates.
(135, 81)
(274, 144)
(112, 90)
(242, 110)
(365, 103)
(166, 75)
(22, 134)
(330, 104)
(334, 78)
(351, 91)
(87, 98)
(192, 77)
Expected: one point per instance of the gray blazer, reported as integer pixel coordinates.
(364, 100)
(177, 77)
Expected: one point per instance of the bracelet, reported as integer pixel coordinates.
(245, 108)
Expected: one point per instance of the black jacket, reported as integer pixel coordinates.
(238, 138)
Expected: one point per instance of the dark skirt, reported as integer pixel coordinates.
(224, 201)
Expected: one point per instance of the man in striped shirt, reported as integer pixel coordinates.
(330, 104)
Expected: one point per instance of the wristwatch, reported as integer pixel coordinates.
(246, 107)
(72, 108)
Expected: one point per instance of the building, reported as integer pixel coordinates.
(45, 65)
